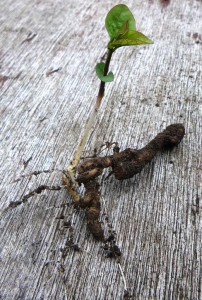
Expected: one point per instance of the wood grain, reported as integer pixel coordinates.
(157, 214)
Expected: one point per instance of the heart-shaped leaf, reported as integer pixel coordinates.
(118, 20)
(128, 39)
(100, 73)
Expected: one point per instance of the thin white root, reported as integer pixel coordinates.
(124, 279)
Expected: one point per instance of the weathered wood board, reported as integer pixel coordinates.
(157, 214)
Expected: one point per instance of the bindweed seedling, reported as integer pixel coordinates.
(121, 27)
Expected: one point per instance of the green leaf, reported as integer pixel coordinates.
(123, 30)
(119, 20)
(100, 73)
(130, 38)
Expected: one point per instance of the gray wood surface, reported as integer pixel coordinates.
(156, 215)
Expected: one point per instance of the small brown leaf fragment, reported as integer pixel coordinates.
(30, 37)
(3, 79)
(197, 37)
(51, 71)
(164, 3)
(126, 295)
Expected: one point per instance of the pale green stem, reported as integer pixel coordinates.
(77, 155)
